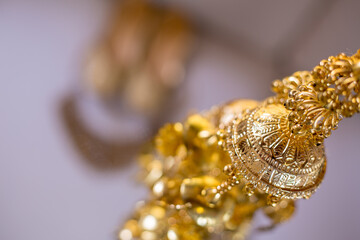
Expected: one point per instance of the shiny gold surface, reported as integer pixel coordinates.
(210, 174)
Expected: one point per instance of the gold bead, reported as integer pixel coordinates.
(272, 200)
(212, 196)
(249, 189)
(228, 169)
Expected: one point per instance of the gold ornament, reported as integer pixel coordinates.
(131, 75)
(210, 174)
(142, 57)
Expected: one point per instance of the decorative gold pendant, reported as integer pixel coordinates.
(210, 174)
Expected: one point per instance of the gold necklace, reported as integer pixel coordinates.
(211, 173)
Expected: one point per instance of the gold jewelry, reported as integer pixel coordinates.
(142, 58)
(132, 73)
(210, 174)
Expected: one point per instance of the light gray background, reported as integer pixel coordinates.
(46, 192)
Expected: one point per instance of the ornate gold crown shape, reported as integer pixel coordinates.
(210, 174)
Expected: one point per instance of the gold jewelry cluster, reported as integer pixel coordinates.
(210, 174)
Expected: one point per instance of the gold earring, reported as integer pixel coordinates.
(132, 73)
(213, 172)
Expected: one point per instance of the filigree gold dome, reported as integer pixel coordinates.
(271, 157)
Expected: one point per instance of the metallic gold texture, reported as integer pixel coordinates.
(211, 173)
